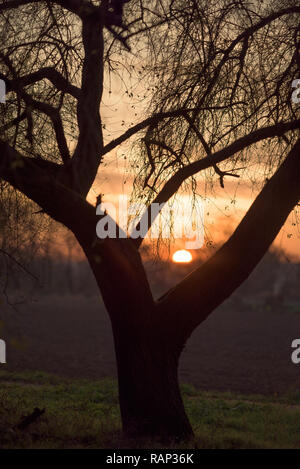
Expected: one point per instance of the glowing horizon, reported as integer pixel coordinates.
(182, 256)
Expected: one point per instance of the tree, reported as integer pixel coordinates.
(222, 78)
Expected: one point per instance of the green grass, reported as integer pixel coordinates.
(85, 414)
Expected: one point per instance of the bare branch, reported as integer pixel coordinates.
(79, 7)
(14, 122)
(56, 78)
(13, 259)
(173, 184)
(87, 155)
(233, 263)
(153, 120)
(222, 174)
(53, 113)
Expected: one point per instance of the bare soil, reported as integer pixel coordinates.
(239, 351)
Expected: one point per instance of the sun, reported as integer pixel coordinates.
(182, 256)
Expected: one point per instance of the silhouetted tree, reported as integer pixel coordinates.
(219, 97)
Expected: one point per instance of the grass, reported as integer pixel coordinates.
(85, 414)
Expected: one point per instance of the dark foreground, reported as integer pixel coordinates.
(245, 350)
(85, 414)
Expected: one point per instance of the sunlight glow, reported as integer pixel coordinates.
(182, 256)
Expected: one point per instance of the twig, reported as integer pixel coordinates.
(29, 419)
(222, 174)
(19, 264)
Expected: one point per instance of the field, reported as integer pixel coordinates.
(85, 414)
(238, 349)
(240, 388)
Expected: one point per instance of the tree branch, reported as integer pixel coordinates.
(39, 180)
(190, 302)
(79, 7)
(87, 155)
(153, 120)
(56, 78)
(15, 85)
(14, 122)
(173, 184)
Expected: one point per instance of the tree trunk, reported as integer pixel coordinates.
(150, 399)
(147, 357)
(148, 335)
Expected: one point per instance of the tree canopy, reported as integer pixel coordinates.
(218, 95)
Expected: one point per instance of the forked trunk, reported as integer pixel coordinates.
(149, 335)
(147, 355)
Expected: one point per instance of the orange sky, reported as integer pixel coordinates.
(222, 209)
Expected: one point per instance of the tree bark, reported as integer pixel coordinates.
(150, 400)
(147, 361)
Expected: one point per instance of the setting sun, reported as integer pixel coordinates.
(182, 256)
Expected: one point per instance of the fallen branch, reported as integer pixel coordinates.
(29, 419)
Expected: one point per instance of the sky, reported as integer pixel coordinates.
(123, 104)
(222, 209)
